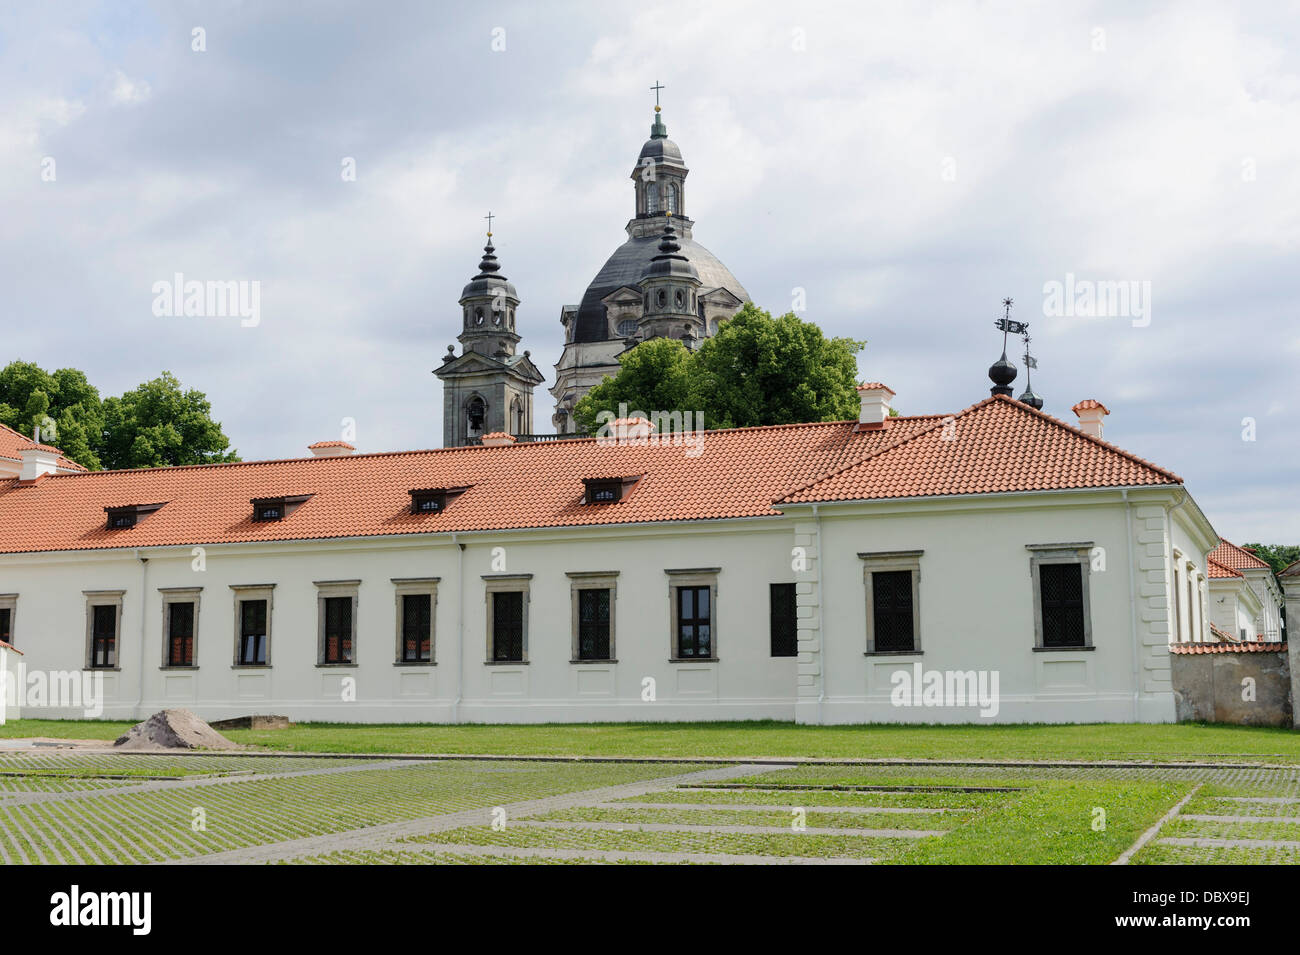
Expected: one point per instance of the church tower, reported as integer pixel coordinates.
(487, 388)
(659, 283)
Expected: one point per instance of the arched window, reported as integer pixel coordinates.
(671, 198)
(516, 417)
(475, 412)
(652, 198)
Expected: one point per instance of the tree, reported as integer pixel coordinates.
(64, 405)
(158, 424)
(763, 370)
(654, 375)
(153, 425)
(756, 370)
(1277, 556)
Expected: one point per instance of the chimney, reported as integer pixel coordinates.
(497, 439)
(1090, 412)
(875, 404)
(38, 461)
(331, 449)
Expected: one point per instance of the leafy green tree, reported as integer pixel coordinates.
(756, 370)
(1277, 556)
(31, 397)
(762, 370)
(158, 424)
(653, 376)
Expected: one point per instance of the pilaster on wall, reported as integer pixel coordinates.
(1153, 551)
(806, 562)
(1291, 589)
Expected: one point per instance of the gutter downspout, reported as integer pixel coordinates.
(460, 627)
(1132, 605)
(144, 599)
(821, 621)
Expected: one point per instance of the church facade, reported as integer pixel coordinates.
(659, 283)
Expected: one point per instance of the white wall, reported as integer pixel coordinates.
(976, 611)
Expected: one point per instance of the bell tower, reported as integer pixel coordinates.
(487, 388)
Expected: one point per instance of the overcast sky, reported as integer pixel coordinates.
(906, 165)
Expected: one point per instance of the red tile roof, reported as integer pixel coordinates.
(1223, 634)
(872, 385)
(1230, 555)
(12, 444)
(331, 444)
(1218, 571)
(998, 445)
(1249, 647)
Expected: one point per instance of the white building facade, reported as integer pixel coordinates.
(781, 573)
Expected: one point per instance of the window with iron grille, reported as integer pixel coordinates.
(1061, 602)
(337, 646)
(593, 624)
(417, 627)
(103, 636)
(891, 606)
(252, 632)
(784, 620)
(694, 623)
(180, 634)
(508, 626)
(6, 625)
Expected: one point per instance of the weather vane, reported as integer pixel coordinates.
(1007, 325)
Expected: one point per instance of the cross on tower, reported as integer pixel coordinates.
(489, 218)
(657, 87)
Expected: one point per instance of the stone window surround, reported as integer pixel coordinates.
(103, 598)
(1071, 552)
(10, 602)
(873, 561)
(178, 595)
(334, 588)
(592, 580)
(244, 592)
(506, 583)
(402, 587)
(692, 577)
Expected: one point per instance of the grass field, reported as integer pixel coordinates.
(952, 795)
(752, 739)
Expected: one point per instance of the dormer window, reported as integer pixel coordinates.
(128, 515)
(434, 500)
(276, 508)
(608, 490)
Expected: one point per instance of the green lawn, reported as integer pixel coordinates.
(751, 739)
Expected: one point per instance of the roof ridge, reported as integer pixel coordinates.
(1079, 431)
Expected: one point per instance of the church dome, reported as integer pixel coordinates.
(660, 150)
(629, 263)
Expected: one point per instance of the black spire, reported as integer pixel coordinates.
(1002, 372)
(489, 266)
(1030, 398)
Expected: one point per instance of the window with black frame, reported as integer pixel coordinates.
(103, 636)
(891, 604)
(337, 643)
(508, 626)
(1061, 603)
(7, 625)
(784, 622)
(180, 634)
(252, 632)
(417, 627)
(593, 624)
(694, 623)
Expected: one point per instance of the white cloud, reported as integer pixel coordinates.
(126, 90)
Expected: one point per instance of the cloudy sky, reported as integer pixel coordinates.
(907, 165)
